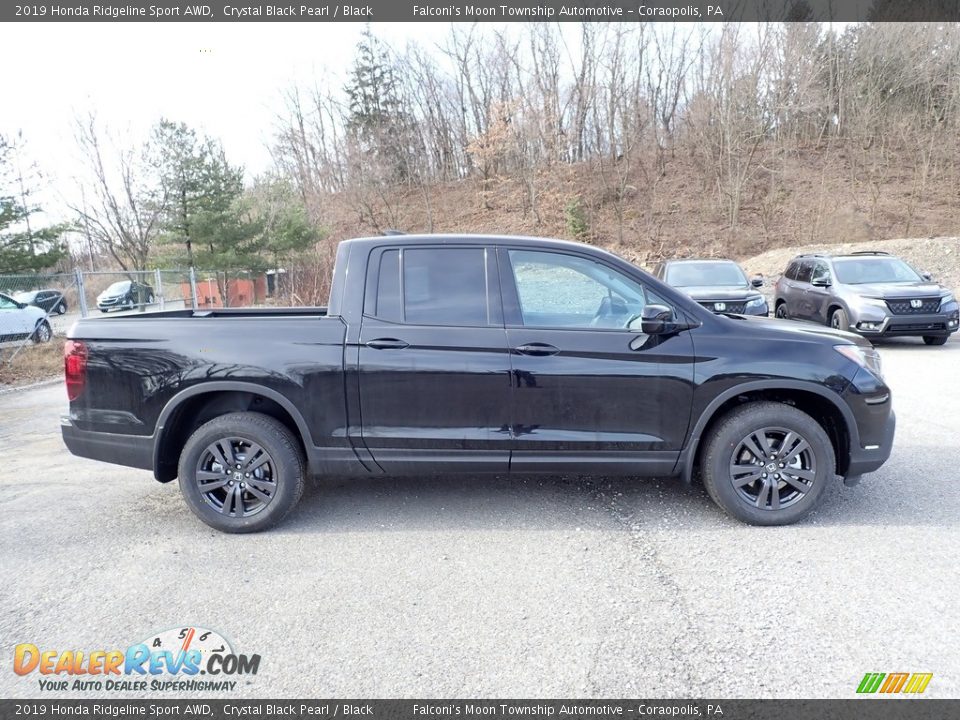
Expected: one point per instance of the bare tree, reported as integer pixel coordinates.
(124, 201)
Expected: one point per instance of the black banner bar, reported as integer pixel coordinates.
(876, 708)
(485, 11)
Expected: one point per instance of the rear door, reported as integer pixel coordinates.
(801, 307)
(434, 372)
(590, 395)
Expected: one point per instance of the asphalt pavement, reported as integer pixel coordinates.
(492, 587)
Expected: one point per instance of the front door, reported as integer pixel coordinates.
(434, 367)
(818, 293)
(589, 394)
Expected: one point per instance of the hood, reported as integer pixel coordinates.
(799, 330)
(719, 293)
(897, 291)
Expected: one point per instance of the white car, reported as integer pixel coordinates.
(19, 321)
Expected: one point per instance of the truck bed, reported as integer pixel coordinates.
(245, 312)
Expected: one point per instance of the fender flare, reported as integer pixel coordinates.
(227, 386)
(685, 461)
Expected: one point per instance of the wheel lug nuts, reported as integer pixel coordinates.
(243, 485)
(781, 465)
(763, 475)
(238, 466)
(248, 474)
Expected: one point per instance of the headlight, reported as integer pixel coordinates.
(948, 298)
(867, 358)
(875, 302)
(756, 302)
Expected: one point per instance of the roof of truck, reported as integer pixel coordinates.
(467, 239)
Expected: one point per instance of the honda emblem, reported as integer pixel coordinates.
(720, 307)
(916, 304)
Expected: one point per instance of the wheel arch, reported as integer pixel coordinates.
(834, 306)
(822, 405)
(191, 408)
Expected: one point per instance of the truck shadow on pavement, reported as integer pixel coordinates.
(484, 503)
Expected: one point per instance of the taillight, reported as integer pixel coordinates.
(74, 367)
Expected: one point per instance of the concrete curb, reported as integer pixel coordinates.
(31, 386)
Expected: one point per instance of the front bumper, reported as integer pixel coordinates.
(865, 459)
(130, 450)
(886, 325)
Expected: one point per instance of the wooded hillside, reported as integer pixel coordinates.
(651, 139)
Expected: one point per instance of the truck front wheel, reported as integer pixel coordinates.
(767, 463)
(242, 472)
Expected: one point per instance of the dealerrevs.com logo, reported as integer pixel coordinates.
(179, 659)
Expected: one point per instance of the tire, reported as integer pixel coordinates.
(936, 339)
(753, 502)
(104, 310)
(42, 333)
(129, 304)
(150, 299)
(61, 308)
(781, 311)
(839, 320)
(268, 497)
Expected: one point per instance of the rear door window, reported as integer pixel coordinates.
(435, 286)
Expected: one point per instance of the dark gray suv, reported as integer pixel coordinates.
(718, 285)
(872, 293)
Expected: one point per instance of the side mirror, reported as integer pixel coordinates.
(926, 276)
(820, 282)
(655, 319)
(757, 281)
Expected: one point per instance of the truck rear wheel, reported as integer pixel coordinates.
(242, 472)
(767, 463)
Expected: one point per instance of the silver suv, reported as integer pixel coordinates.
(872, 293)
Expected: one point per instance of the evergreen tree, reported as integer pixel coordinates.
(23, 247)
(201, 189)
(377, 119)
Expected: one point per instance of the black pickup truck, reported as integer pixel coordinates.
(477, 354)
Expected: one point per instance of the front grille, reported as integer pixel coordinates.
(916, 327)
(737, 308)
(906, 307)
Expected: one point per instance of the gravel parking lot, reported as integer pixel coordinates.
(476, 587)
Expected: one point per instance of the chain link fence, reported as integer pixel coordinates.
(32, 309)
(37, 309)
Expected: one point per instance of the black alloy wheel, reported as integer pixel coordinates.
(773, 468)
(242, 472)
(236, 477)
(767, 463)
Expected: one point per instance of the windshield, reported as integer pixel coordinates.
(705, 274)
(118, 287)
(863, 271)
